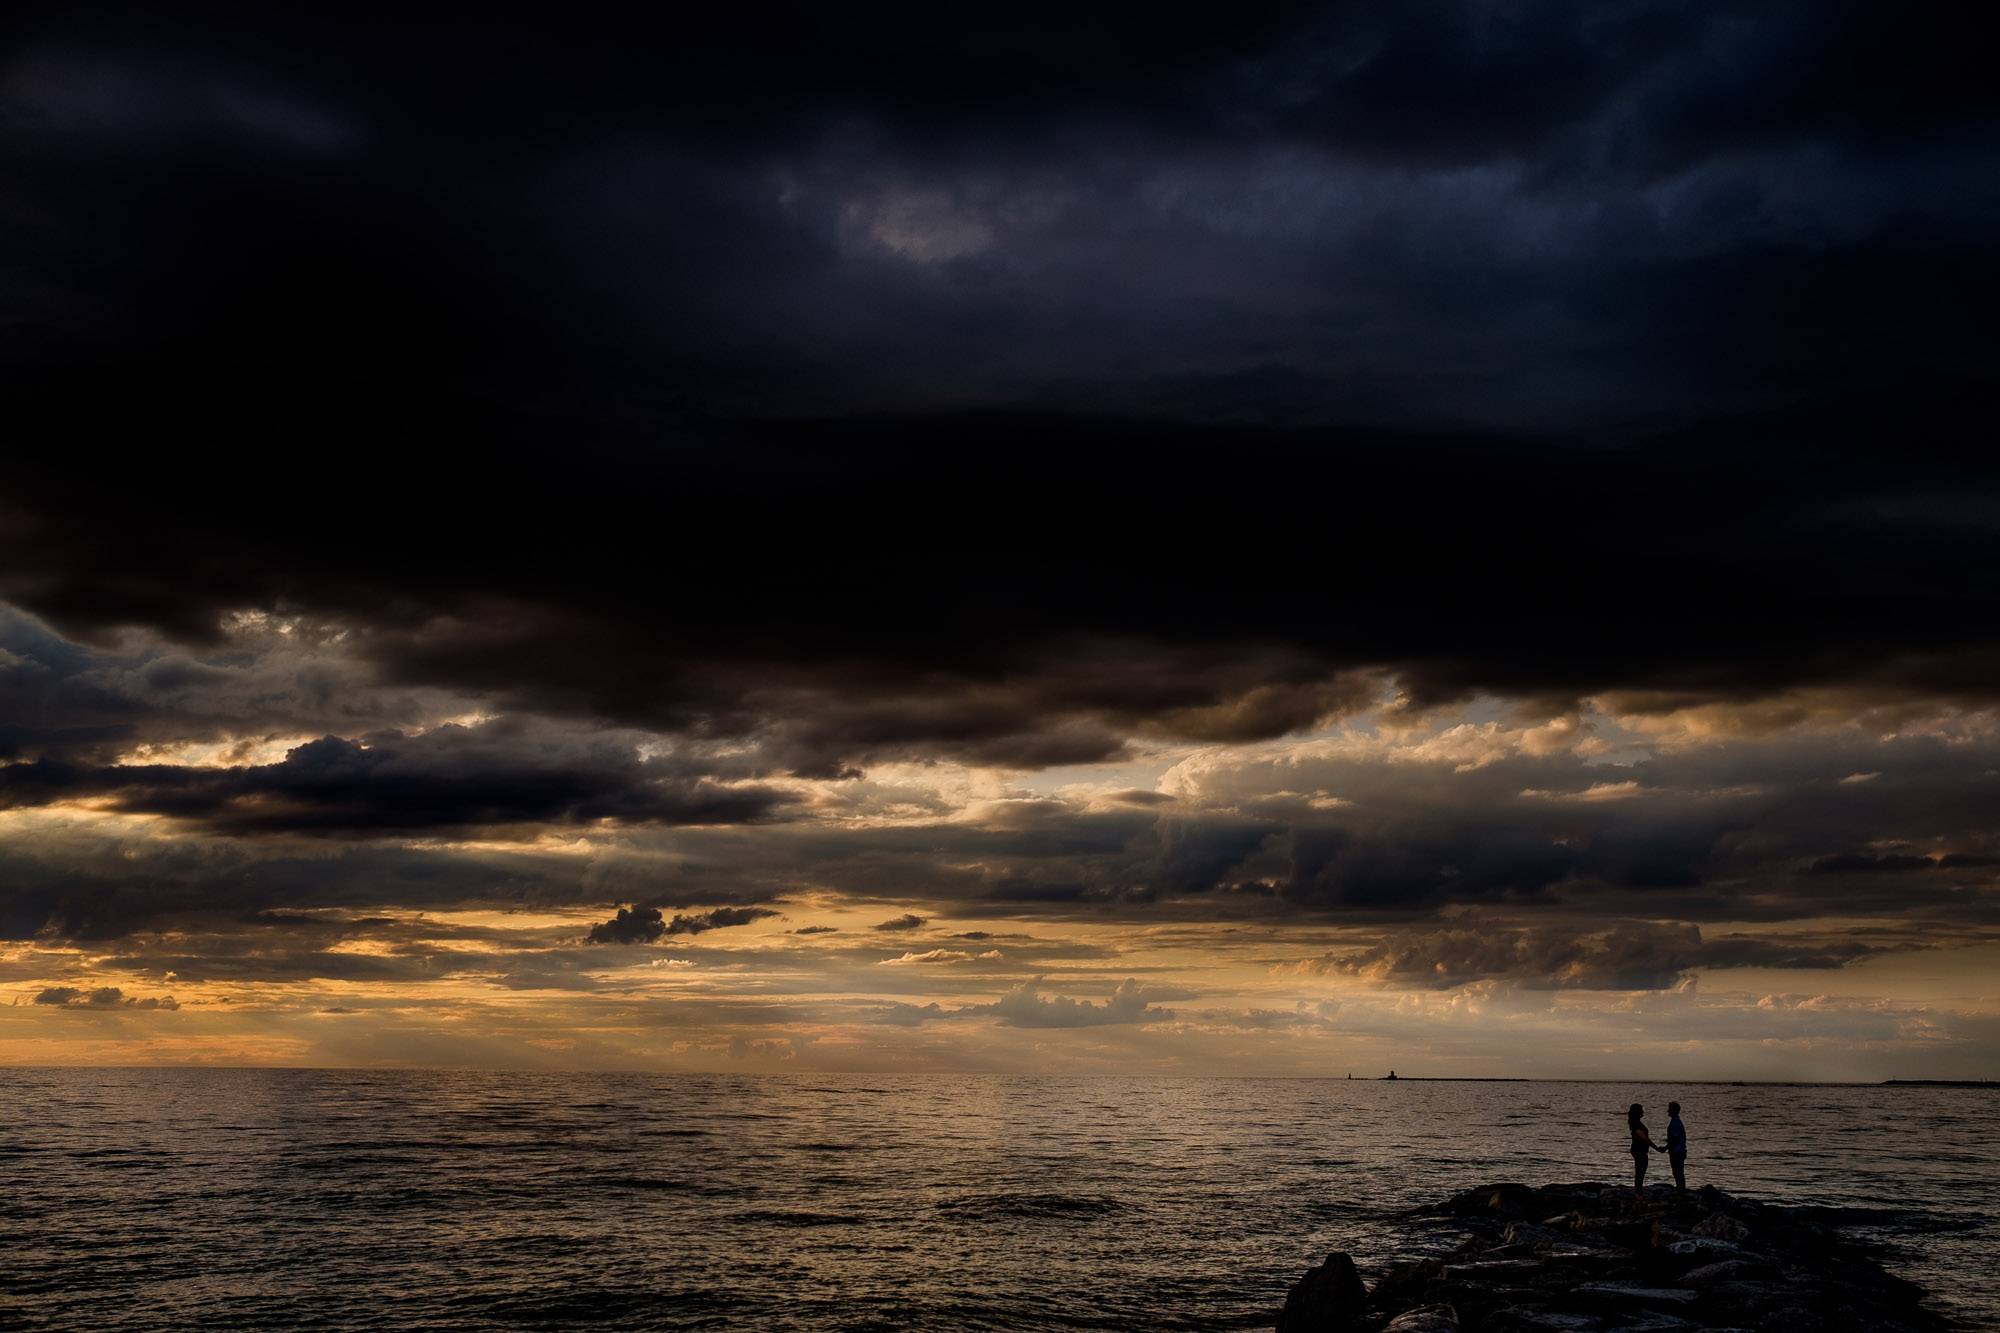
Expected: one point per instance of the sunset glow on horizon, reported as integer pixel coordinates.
(1429, 889)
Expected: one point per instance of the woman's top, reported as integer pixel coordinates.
(1641, 1141)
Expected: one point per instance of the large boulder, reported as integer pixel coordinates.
(1327, 1299)
(1528, 1233)
(1406, 1282)
(1721, 1226)
(1502, 1200)
(1729, 1270)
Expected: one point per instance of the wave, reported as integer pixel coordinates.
(668, 1185)
(797, 1218)
(1031, 1205)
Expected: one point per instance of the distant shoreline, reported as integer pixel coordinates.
(1940, 1083)
(1678, 1082)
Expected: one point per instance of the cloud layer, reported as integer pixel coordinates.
(802, 532)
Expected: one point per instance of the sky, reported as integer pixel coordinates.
(1304, 540)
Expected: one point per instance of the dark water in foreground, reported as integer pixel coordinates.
(289, 1199)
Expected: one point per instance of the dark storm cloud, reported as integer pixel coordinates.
(638, 925)
(1863, 863)
(48, 702)
(1194, 856)
(1025, 891)
(1630, 956)
(205, 959)
(1716, 832)
(1739, 950)
(1701, 610)
(97, 884)
(1719, 832)
(644, 925)
(450, 777)
(1400, 868)
(262, 677)
(528, 303)
(102, 997)
(695, 923)
(1658, 84)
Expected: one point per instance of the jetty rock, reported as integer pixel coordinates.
(1594, 1258)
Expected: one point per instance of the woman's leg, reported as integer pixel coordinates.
(1638, 1171)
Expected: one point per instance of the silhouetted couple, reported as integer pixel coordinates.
(1642, 1143)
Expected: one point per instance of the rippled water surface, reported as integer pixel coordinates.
(293, 1199)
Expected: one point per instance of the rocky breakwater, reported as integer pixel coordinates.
(1592, 1258)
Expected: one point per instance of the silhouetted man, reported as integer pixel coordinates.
(1677, 1146)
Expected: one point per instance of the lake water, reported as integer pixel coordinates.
(293, 1199)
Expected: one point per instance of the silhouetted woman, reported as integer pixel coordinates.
(1642, 1143)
